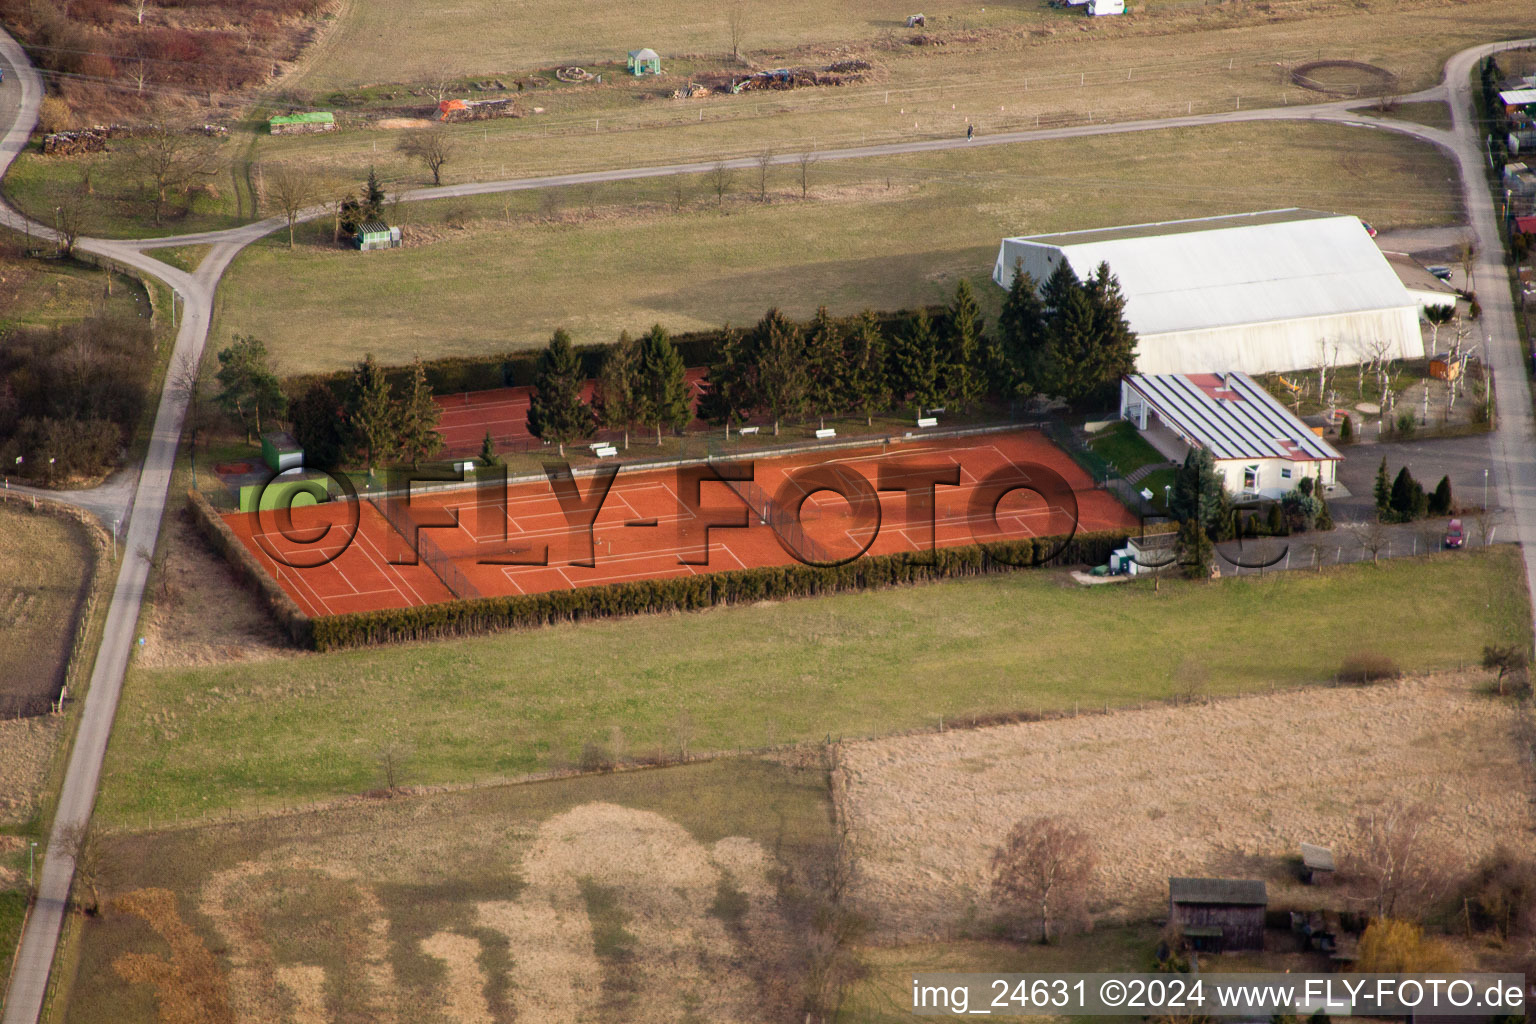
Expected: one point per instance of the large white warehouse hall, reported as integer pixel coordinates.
(1253, 292)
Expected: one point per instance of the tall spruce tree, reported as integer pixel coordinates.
(557, 412)
(373, 418)
(1114, 350)
(615, 399)
(920, 364)
(825, 390)
(1200, 495)
(728, 400)
(372, 207)
(778, 349)
(662, 384)
(1022, 328)
(867, 382)
(419, 416)
(248, 389)
(967, 365)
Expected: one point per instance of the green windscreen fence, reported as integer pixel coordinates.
(295, 493)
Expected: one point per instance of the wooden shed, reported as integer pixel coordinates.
(1317, 864)
(1218, 915)
(644, 62)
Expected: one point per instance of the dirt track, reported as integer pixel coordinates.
(1225, 788)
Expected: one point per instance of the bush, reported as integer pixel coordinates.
(1399, 947)
(684, 593)
(1501, 894)
(595, 758)
(1346, 431)
(1368, 667)
(1406, 424)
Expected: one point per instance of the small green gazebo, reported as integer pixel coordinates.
(644, 62)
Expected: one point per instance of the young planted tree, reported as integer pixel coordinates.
(615, 401)
(434, 147)
(371, 207)
(1506, 660)
(919, 363)
(557, 412)
(966, 364)
(662, 384)
(1408, 501)
(778, 350)
(290, 189)
(419, 436)
(373, 419)
(1196, 552)
(1382, 490)
(247, 386)
(805, 161)
(1042, 872)
(764, 163)
(825, 368)
(866, 384)
(720, 178)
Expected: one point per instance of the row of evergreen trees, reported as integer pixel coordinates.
(1068, 339)
(364, 421)
(1402, 499)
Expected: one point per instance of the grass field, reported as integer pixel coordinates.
(48, 293)
(876, 233)
(45, 569)
(199, 740)
(1048, 67)
(650, 896)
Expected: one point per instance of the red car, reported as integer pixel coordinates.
(1453, 535)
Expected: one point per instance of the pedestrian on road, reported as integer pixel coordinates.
(970, 132)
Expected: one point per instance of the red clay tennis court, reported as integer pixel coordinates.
(465, 418)
(646, 529)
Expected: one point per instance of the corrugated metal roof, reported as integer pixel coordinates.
(1517, 97)
(373, 227)
(1230, 415)
(1240, 891)
(1227, 271)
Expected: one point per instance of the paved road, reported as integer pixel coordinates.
(19, 102)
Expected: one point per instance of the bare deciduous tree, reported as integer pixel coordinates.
(187, 383)
(1372, 536)
(805, 161)
(167, 159)
(720, 178)
(79, 843)
(764, 162)
(290, 189)
(1043, 869)
(70, 218)
(1466, 255)
(1388, 861)
(394, 758)
(682, 734)
(138, 9)
(1506, 659)
(735, 26)
(432, 146)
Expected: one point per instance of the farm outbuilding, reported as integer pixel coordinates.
(644, 62)
(280, 451)
(1260, 449)
(298, 124)
(1218, 915)
(375, 234)
(1317, 864)
(1255, 292)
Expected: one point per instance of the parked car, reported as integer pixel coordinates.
(1368, 229)
(1443, 273)
(1454, 538)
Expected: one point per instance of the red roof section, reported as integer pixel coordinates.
(1526, 225)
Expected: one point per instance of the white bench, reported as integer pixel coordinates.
(824, 433)
(606, 451)
(595, 445)
(464, 467)
(927, 421)
(938, 409)
(744, 431)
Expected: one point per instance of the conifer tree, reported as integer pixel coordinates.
(615, 400)
(868, 383)
(729, 399)
(557, 412)
(373, 419)
(419, 436)
(825, 390)
(966, 374)
(1383, 491)
(1022, 328)
(778, 350)
(920, 364)
(662, 384)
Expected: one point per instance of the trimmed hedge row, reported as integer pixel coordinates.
(298, 626)
(453, 374)
(465, 618)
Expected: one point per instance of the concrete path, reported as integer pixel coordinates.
(19, 99)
